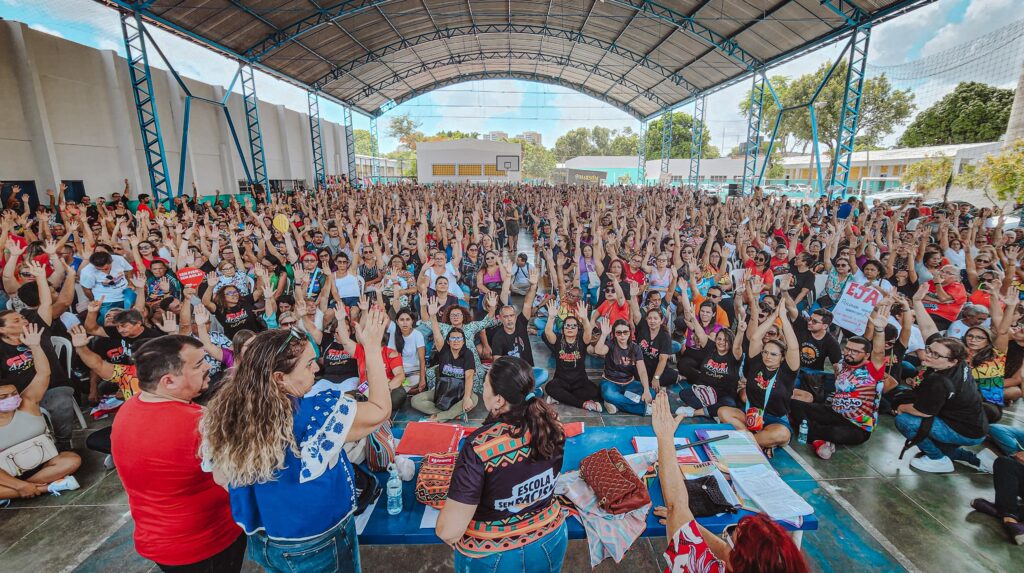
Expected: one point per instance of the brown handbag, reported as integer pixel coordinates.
(617, 488)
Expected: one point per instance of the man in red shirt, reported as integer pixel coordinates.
(182, 518)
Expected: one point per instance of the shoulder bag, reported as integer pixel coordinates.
(28, 455)
(617, 487)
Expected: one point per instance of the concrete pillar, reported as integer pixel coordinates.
(33, 107)
(229, 175)
(177, 99)
(1015, 128)
(286, 153)
(121, 113)
(340, 153)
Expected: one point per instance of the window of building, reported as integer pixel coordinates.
(493, 171)
(467, 169)
(676, 179)
(439, 169)
(718, 178)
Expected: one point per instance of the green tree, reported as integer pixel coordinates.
(458, 135)
(404, 128)
(538, 162)
(575, 143)
(972, 178)
(601, 137)
(770, 112)
(624, 143)
(929, 174)
(408, 161)
(682, 125)
(974, 112)
(1005, 172)
(364, 142)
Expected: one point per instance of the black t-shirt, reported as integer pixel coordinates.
(620, 363)
(339, 364)
(570, 358)
(495, 473)
(653, 348)
(117, 349)
(719, 375)
(759, 376)
(237, 318)
(18, 365)
(450, 366)
(58, 371)
(515, 344)
(802, 280)
(814, 352)
(953, 396)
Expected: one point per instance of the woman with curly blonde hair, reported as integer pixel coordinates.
(277, 445)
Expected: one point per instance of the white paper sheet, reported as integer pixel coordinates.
(429, 519)
(763, 485)
(364, 518)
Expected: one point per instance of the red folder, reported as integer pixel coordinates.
(420, 438)
(573, 429)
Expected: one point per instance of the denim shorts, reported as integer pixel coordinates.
(542, 556)
(784, 420)
(335, 551)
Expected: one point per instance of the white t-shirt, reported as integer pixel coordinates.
(879, 283)
(110, 285)
(956, 258)
(410, 354)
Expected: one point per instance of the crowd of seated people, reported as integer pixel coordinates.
(254, 307)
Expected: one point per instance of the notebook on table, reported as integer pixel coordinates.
(421, 438)
(650, 444)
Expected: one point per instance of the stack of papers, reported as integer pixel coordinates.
(650, 444)
(762, 485)
(738, 450)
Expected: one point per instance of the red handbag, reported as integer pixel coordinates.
(617, 488)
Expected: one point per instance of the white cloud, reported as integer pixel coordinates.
(981, 17)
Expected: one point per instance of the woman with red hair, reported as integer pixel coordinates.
(755, 544)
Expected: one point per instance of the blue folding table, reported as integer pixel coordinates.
(404, 528)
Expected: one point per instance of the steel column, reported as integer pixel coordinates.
(641, 154)
(666, 143)
(145, 106)
(753, 141)
(314, 137)
(252, 120)
(374, 159)
(350, 144)
(775, 131)
(696, 142)
(850, 113)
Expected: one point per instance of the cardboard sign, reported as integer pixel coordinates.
(191, 277)
(855, 307)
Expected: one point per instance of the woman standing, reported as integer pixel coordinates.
(276, 446)
(501, 513)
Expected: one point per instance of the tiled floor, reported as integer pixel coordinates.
(876, 514)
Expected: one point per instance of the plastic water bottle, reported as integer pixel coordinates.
(394, 491)
(801, 437)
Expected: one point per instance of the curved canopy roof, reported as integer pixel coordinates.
(640, 56)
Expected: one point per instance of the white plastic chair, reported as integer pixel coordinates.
(776, 283)
(736, 276)
(820, 280)
(62, 347)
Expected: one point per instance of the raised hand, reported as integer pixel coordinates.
(31, 334)
(212, 279)
(170, 323)
(534, 276)
(202, 316)
(138, 281)
(371, 333)
(96, 304)
(79, 337)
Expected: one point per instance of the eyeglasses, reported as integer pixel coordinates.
(456, 339)
(976, 337)
(571, 325)
(621, 332)
(984, 261)
(935, 354)
(288, 324)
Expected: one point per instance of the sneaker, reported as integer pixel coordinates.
(985, 506)
(550, 401)
(66, 484)
(969, 464)
(685, 411)
(611, 408)
(593, 406)
(824, 449)
(108, 462)
(942, 465)
(4, 503)
(987, 457)
(1015, 530)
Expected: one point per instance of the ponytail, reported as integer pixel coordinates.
(512, 379)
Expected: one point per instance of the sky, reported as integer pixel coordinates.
(514, 106)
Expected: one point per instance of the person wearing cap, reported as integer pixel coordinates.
(317, 277)
(501, 507)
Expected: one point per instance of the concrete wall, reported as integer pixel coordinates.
(68, 114)
(464, 152)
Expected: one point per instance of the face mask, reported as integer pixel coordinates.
(10, 403)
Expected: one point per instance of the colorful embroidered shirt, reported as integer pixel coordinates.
(689, 553)
(858, 391)
(513, 494)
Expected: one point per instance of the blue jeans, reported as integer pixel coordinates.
(1010, 440)
(942, 441)
(615, 394)
(336, 551)
(542, 556)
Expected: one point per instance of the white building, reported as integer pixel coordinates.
(468, 160)
(494, 136)
(619, 168)
(532, 137)
(68, 115)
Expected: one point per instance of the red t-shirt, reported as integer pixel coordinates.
(947, 310)
(392, 361)
(181, 515)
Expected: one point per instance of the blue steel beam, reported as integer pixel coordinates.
(350, 145)
(145, 106)
(506, 75)
(641, 155)
(850, 112)
(503, 55)
(727, 46)
(753, 142)
(854, 14)
(696, 142)
(295, 30)
(666, 144)
(374, 159)
(314, 138)
(346, 68)
(252, 122)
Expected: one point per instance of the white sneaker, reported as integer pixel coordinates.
(987, 457)
(611, 408)
(685, 411)
(66, 484)
(942, 465)
(108, 462)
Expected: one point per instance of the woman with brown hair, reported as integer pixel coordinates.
(276, 446)
(501, 513)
